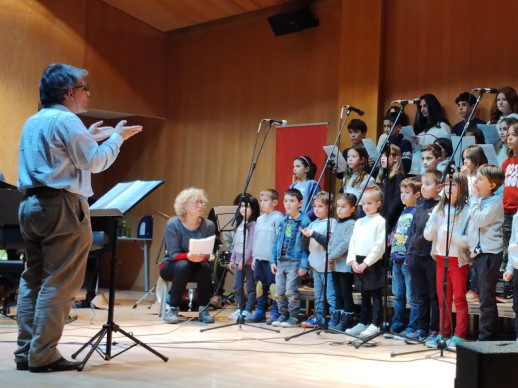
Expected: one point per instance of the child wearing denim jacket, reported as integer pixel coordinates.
(289, 261)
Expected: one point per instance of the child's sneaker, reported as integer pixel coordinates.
(312, 322)
(356, 330)
(404, 334)
(274, 315)
(235, 314)
(290, 322)
(432, 340)
(280, 320)
(417, 336)
(452, 343)
(370, 331)
(257, 317)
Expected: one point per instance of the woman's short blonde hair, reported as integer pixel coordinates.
(188, 195)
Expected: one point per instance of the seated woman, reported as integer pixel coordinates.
(180, 266)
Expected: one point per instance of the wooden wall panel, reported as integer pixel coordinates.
(32, 36)
(447, 47)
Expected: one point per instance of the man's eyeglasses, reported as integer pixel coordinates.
(86, 87)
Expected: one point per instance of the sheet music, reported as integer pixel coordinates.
(125, 195)
(408, 133)
(202, 246)
(334, 154)
(489, 150)
(370, 147)
(466, 141)
(491, 133)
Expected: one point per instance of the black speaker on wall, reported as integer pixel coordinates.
(292, 21)
(486, 364)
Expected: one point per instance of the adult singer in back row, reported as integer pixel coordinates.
(57, 156)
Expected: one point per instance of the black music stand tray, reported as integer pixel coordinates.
(114, 204)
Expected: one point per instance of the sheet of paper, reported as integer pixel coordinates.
(370, 148)
(489, 150)
(334, 154)
(408, 133)
(202, 246)
(466, 141)
(491, 133)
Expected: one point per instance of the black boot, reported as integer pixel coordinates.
(335, 319)
(346, 321)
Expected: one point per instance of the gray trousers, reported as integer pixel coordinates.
(58, 235)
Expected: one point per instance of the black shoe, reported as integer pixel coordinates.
(82, 304)
(22, 365)
(56, 366)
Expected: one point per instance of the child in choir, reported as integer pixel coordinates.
(402, 284)
(357, 172)
(473, 157)
(451, 215)
(465, 103)
(304, 171)
(505, 105)
(510, 194)
(430, 121)
(289, 260)
(391, 166)
(248, 211)
(316, 240)
(431, 156)
(511, 270)
(501, 146)
(421, 266)
(265, 234)
(357, 132)
(365, 256)
(447, 152)
(398, 139)
(486, 214)
(342, 273)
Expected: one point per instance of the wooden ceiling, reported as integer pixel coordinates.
(169, 15)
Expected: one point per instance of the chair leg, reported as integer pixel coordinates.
(191, 297)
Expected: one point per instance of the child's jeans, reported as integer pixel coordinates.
(287, 283)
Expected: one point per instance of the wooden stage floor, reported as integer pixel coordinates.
(233, 356)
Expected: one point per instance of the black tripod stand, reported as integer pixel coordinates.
(244, 199)
(110, 326)
(331, 162)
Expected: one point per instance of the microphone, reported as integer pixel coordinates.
(486, 90)
(349, 107)
(282, 123)
(404, 102)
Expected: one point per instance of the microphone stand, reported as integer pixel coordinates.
(448, 171)
(243, 198)
(329, 163)
(385, 327)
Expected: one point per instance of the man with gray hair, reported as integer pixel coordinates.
(57, 156)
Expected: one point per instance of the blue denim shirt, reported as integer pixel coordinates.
(295, 251)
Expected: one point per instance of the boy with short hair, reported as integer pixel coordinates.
(465, 102)
(421, 265)
(486, 212)
(289, 260)
(402, 283)
(398, 139)
(265, 234)
(357, 131)
(431, 155)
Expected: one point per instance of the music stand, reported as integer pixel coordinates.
(114, 204)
